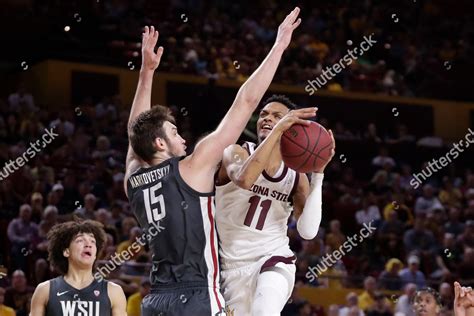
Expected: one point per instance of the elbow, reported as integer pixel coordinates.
(248, 99)
(307, 232)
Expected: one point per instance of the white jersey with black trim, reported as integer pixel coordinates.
(253, 223)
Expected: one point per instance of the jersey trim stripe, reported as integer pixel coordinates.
(213, 249)
(295, 185)
(277, 179)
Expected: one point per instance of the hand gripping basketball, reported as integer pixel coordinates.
(295, 117)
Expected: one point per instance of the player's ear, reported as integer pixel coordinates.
(66, 252)
(160, 144)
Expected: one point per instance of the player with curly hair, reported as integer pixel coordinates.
(73, 248)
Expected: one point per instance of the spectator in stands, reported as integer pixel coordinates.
(367, 298)
(419, 239)
(127, 224)
(61, 203)
(447, 258)
(23, 235)
(369, 213)
(5, 310)
(135, 300)
(21, 101)
(103, 217)
(19, 294)
(427, 202)
(389, 278)
(135, 233)
(402, 136)
(351, 301)
(36, 207)
(404, 302)
(466, 239)
(89, 208)
(379, 184)
(333, 310)
(383, 158)
(454, 225)
(412, 274)
(447, 295)
(381, 307)
(335, 238)
(449, 195)
(391, 226)
(466, 267)
(370, 134)
(50, 218)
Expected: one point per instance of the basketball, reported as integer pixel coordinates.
(306, 148)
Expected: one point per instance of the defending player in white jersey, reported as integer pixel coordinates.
(254, 194)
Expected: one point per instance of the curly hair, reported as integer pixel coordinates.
(146, 128)
(431, 291)
(61, 235)
(283, 99)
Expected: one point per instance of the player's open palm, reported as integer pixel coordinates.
(463, 300)
(299, 116)
(150, 59)
(286, 28)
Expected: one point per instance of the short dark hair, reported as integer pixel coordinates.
(431, 291)
(146, 128)
(280, 98)
(61, 235)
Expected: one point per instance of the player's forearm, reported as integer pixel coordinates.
(256, 163)
(257, 84)
(142, 99)
(310, 219)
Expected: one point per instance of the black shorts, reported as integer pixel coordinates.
(182, 301)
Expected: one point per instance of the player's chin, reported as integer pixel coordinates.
(263, 133)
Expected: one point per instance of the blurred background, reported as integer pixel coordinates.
(73, 65)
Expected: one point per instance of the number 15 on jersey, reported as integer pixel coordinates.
(154, 204)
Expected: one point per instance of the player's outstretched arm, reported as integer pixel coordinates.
(117, 299)
(463, 300)
(40, 299)
(243, 169)
(142, 99)
(208, 152)
(307, 201)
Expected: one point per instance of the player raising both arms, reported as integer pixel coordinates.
(253, 196)
(178, 192)
(73, 248)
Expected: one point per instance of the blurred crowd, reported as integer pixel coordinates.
(422, 48)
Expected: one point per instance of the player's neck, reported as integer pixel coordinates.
(159, 158)
(79, 278)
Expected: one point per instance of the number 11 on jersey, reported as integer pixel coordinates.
(254, 202)
(151, 199)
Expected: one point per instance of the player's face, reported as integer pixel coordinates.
(268, 118)
(83, 249)
(175, 144)
(425, 305)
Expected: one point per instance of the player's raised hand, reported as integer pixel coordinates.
(463, 300)
(286, 28)
(150, 59)
(295, 117)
